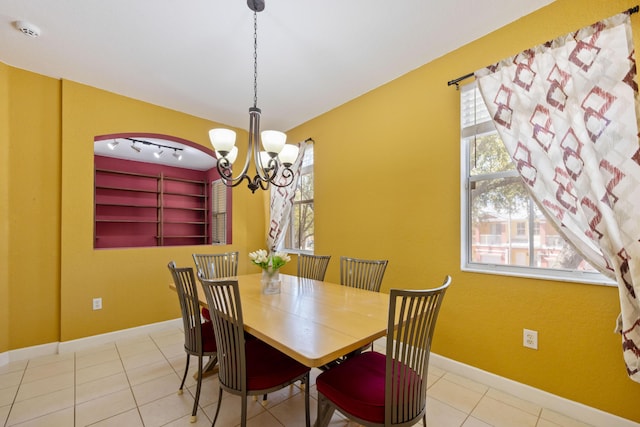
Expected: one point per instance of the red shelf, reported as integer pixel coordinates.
(133, 210)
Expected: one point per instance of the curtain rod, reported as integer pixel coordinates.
(630, 11)
(458, 80)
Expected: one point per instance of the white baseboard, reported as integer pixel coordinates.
(87, 342)
(96, 340)
(31, 352)
(578, 411)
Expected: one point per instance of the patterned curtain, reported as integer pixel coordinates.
(281, 204)
(567, 112)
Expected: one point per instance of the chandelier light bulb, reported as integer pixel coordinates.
(265, 158)
(273, 141)
(231, 156)
(223, 140)
(289, 154)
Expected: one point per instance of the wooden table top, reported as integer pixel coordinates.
(311, 321)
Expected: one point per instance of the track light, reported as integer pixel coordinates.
(159, 148)
(112, 144)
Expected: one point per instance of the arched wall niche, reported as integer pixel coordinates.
(156, 190)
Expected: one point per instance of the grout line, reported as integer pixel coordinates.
(201, 410)
(477, 404)
(75, 391)
(539, 415)
(126, 374)
(15, 396)
(515, 407)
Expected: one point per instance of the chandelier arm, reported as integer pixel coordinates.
(252, 184)
(224, 167)
(254, 130)
(256, 183)
(226, 173)
(287, 175)
(270, 171)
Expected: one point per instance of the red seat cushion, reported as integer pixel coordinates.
(206, 314)
(357, 385)
(268, 367)
(208, 338)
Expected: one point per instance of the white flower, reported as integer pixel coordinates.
(283, 255)
(260, 256)
(265, 260)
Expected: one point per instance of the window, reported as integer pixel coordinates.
(300, 237)
(218, 213)
(503, 231)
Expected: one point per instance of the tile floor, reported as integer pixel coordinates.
(133, 383)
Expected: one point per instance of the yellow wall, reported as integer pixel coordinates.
(34, 208)
(4, 209)
(49, 271)
(394, 192)
(133, 283)
(372, 201)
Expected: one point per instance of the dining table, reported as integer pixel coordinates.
(314, 322)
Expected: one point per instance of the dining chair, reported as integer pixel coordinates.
(246, 367)
(216, 266)
(362, 273)
(199, 339)
(313, 266)
(375, 389)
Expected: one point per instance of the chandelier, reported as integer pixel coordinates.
(273, 165)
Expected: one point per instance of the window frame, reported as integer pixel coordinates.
(305, 169)
(466, 227)
(217, 186)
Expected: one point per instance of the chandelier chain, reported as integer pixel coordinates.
(255, 59)
(273, 165)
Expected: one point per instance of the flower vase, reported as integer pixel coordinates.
(270, 281)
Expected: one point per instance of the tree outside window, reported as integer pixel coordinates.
(502, 225)
(300, 232)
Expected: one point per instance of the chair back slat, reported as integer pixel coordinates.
(313, 266)
(223, 299)
(217, 266)
(362, 273)
(408, 350)
(185, 282)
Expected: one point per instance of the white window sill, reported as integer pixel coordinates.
(587, 278)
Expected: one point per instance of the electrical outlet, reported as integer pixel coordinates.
(97, 303)
(530, 339)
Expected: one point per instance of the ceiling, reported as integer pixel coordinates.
(196, 56)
